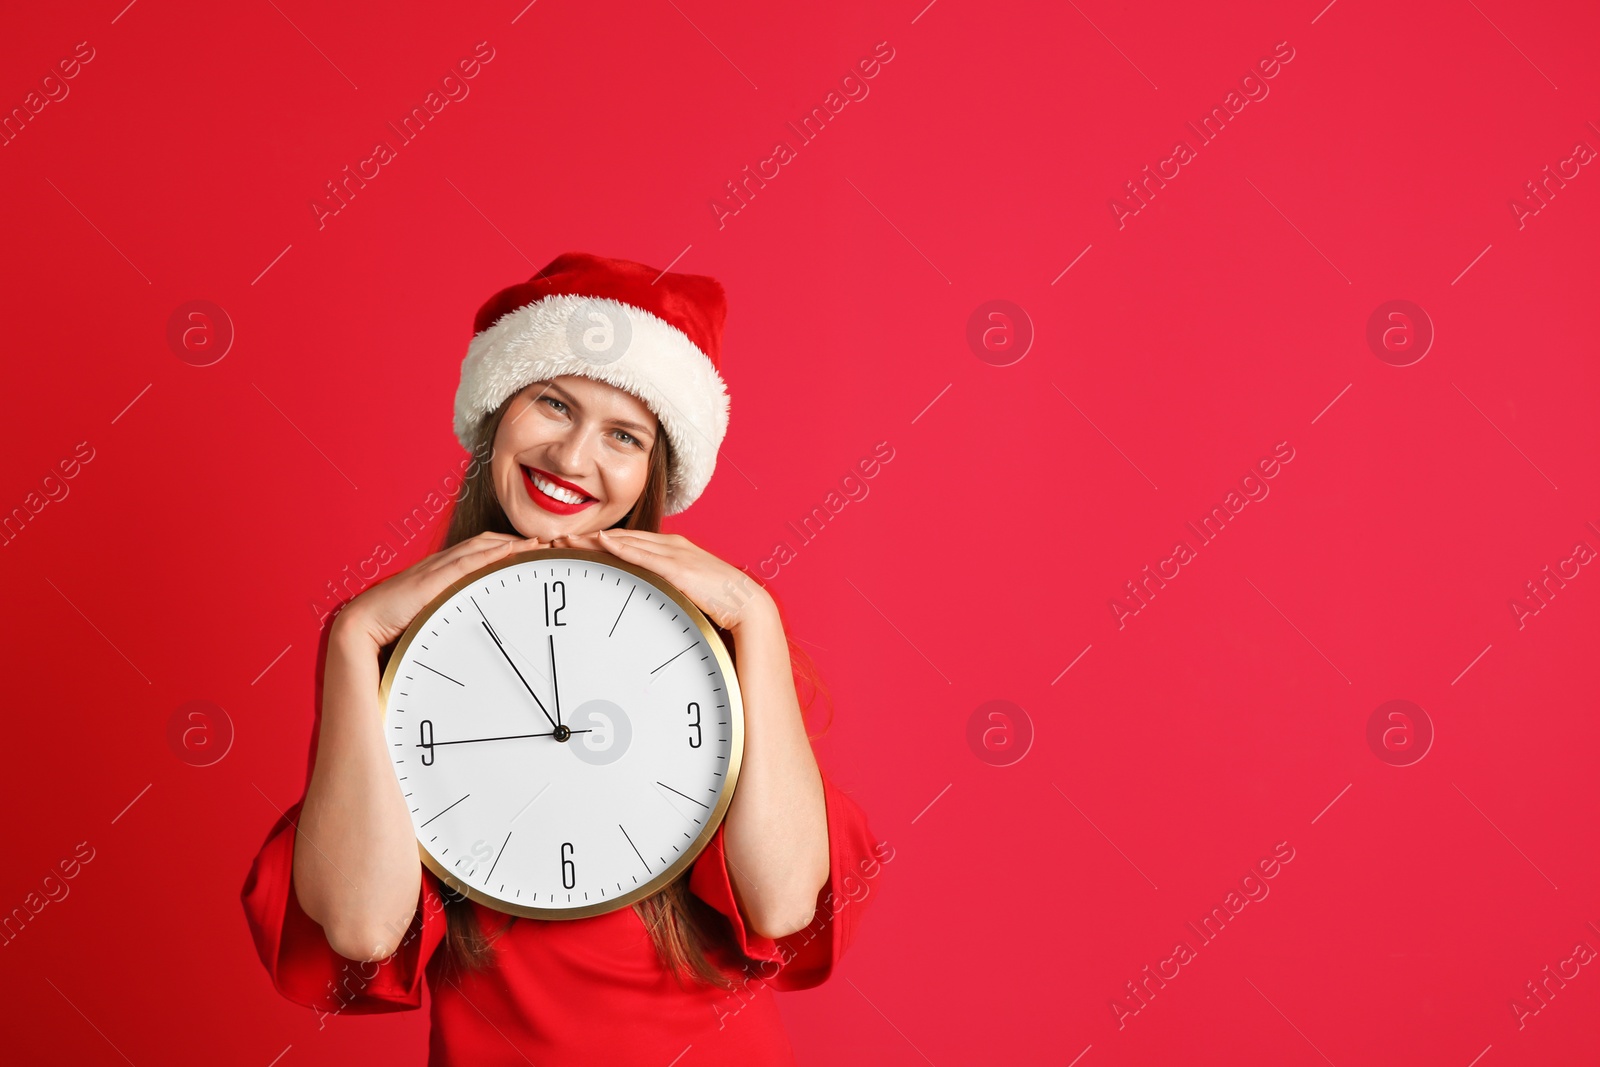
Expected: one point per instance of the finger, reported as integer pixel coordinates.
(488, 536)
(629, 547)
(441, 570)
(655, 542)
(488, 539)
(490, 551)
(657, 553)
(496, 549)
(468, 547)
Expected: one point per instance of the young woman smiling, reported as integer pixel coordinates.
(588, 451)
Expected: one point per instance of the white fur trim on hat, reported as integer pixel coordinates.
(658, 364)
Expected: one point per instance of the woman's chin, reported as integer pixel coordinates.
(549, 529)
(528, 526)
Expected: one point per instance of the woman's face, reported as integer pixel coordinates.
(587, 437)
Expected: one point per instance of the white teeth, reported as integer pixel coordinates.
(551, 489)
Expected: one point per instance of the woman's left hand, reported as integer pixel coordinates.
(725, 593)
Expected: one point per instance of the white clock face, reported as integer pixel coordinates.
(564, 733)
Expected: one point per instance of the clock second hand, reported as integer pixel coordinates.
(506, 737)
(496, 639)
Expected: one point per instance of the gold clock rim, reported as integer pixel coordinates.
(735, 708)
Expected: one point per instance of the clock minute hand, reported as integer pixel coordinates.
(496, 639)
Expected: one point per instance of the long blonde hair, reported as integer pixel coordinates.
(681, 925)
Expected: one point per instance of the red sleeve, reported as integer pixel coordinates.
(296, 953)
(291, 945)
(805, 958)
(708, 880)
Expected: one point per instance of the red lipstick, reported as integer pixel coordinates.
(550, 503)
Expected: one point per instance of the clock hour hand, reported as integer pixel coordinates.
(496, 639)
(554, 687)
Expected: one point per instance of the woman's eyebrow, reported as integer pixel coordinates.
(566, 397)
(633, 426)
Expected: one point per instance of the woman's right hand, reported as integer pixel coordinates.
(384, 611)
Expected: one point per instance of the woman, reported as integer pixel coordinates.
(594, 390)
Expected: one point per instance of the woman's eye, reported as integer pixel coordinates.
(632, 440)
(553, 400)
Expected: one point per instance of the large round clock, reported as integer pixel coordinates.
(567, 731)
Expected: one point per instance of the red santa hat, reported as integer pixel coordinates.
(655, 334)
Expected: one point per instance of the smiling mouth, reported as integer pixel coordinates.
(553, 492)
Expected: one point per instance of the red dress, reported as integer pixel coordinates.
(590, 991)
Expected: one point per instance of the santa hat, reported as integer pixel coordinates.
(651, 333)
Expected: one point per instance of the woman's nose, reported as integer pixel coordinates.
(568, 451)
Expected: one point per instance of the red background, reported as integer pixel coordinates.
(1226, 316)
